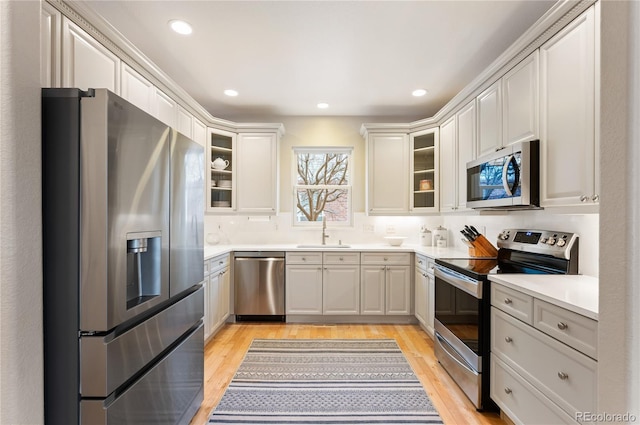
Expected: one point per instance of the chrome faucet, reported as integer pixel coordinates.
(324, 230)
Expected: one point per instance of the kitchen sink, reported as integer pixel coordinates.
(319, 246)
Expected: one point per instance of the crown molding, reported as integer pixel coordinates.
(82, 15)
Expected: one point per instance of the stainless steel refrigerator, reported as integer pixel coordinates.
(123, 263)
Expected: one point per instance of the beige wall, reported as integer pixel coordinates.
(322, 131)
(21, 355)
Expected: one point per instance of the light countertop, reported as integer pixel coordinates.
(428, 251)
(577, 293)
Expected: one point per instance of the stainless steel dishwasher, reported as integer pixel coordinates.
(259, 286)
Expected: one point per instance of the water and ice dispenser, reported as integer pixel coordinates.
(143, 267)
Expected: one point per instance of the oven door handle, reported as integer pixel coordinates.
(453, 355)
(470, 286)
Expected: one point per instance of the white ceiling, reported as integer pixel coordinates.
(362, 57)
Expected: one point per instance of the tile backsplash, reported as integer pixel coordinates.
(280, 230)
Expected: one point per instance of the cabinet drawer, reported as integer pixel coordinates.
(207, 267)
(341, 258)
(573, 329)
(218, 263)
(396, 258)
(513, 302)
(566, 376)
(520, 401)
(304, 257)
(423, 263)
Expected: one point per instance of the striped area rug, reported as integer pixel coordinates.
(330, 381)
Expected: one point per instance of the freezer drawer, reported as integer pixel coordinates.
(106, 362)
(169, 393)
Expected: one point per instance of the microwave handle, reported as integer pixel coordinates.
(505, 169)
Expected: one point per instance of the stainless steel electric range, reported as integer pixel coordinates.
(462, 300)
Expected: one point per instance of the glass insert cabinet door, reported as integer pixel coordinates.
(221, 185)
(425, 170)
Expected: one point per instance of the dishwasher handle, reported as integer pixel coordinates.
(259, 254)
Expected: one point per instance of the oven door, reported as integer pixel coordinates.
(458, 314)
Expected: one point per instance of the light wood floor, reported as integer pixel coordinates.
(224, 353)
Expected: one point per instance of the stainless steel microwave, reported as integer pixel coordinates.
(506, 179)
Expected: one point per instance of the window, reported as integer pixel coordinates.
(322, 185)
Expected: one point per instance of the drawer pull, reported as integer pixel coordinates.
(341, 259)
(386, 259)
(562, 326)
(508, 390)
(508, 339)
(563, 376)
(508, 300)
(304, 258)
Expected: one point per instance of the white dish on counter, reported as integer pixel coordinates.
(395, 240)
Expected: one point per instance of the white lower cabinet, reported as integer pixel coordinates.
(424, 292)
(341, 289)
(535, 376)
(385, 283)
(217, 291)
(303, 283)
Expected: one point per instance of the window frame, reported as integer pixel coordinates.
(296, 150)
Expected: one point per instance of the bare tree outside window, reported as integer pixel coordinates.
(323, 186)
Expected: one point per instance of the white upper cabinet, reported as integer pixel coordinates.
(221, 183)
(137, 89)
(520, 101)
(567, 115)
(199, 133)
(424, 170)
(257, 173)
(489, 104)
(465, 149)
(388, 173)
(166, 109)
(50, 21)
(184, 122)
(448, 165)
(87, 63)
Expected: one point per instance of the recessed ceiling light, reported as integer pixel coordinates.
(419, 92)
(323, 105)
(181, 27)
(231, 93)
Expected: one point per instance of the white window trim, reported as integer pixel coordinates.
(294, 178)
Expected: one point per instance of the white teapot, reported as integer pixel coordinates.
(220, 164)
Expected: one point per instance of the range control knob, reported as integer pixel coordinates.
(551, 241)
(543, 240)
(561, 242)
(504, 236)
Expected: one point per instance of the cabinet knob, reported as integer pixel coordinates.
(562, 326)
(508, 339)
(341, 259)
(563, 376)
(304, 258)
(384, 268)
(386, 259)
(508, 300)
(595, 198)
(419, 261)
(507, 390)
(584, 198)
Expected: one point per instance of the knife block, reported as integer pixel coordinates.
(481, 247)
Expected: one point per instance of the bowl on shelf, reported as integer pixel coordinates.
(221, 204)
(395, 240)
(224, 183)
